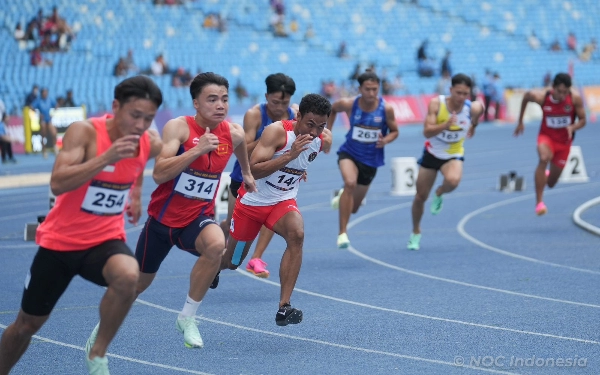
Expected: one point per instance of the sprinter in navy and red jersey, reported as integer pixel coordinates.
(280, 89)
(97, 178)
(181, 211)
(560, 107)
(372, 126)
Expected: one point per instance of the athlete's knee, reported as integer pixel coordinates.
(295, 236)
(349, 185)
(452, 181)
(421, 196)
(551, 182)
(126, 282)
(27, 325)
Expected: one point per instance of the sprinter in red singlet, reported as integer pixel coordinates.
(97, 172)
(181, 211)
(561, 107)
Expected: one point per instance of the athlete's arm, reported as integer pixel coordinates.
(392, 126)
(168, 164)
(581, 116)
(238, 138)
(252, 122)
(273, 138)
(476, 112)
(431, 127)
(156, 144)
(75, 165)
(529, 96)
(341, 105)
(295, 108)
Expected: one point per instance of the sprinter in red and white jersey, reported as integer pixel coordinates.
(97, 178)
(564, 114)
(278, 162)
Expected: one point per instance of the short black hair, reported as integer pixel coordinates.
(205, 79)
(462, 79)
(316, 104)
(280, 82)
(562, 78)
(140, 87)
(369, 75)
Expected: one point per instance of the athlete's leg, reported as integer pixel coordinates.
(425, 182)
(545, 155)
(291, 228)
(349, 172)
(360, 192)
(264, 238)
(121, 273)
(225, 224)
(210, 244)
(16, 339)
(452, 172)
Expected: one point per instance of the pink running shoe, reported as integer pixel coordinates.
(258, 268)
(547, 172)
(541, 209)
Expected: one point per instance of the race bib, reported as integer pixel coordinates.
(197, 185)
(105, 198)
(364, 134)
(450, 136)
(285, 179)
(557, 122)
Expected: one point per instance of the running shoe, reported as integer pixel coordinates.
(437, 204)
(413, 241)
(335, 201)
(191, 336)
(541, 209)
(257, 267)
(343, 241)
(288, 315)
(215, 282)
(98, 365)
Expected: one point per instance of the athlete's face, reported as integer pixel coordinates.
(369, 91)
(311, 124)
(560, 92)
(277, 105)
(212, 104)
(459, 93)
(134, 116)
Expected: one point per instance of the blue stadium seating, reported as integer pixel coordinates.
(480, 34)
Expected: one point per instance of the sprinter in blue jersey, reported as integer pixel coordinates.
(372, 126)
(280, 89)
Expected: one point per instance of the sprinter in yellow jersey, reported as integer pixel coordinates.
(450, 119)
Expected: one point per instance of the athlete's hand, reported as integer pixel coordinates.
(519, 130)
(471, 132)
(451, 121)
(299, 145)
(208, 142)
(249, 183)
(134, 210)
(570, 131)
(380, 141)
(122, 148)
(304, 176)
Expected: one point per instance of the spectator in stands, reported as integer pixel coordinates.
(5, 140)
(342, 52)
(424, 65)
(588, 50)
(572, 42)
(181, 78)
(37, 22)
(547, 82)
(37, 59)
(159, 66)
(309, 33)
(497, 94)
(355, 73)
(533, 41)
(294, 26)
(44, 104)
(48, 44)
(488, 92)
(446, 66)
(131, 67)
(120, 69)
(240, 92)
(444, 84)
(555, 46)
(69, 102)
(19, 34)
(32, 96)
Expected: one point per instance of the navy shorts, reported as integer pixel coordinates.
(431, 162)
(234, 187)
(156, 240)
(366, 173)
(52, 271)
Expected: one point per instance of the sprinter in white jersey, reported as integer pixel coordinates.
(278, 163)
(450, 119)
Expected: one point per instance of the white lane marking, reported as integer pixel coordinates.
(582, 223)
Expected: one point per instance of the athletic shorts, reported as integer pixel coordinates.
(52, 271)
(247, 220)
(366, 173)
(156, 240)
(234, 186)
(560, 151)
(431, 162)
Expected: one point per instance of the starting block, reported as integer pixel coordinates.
(511, 182)
(31, 228)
